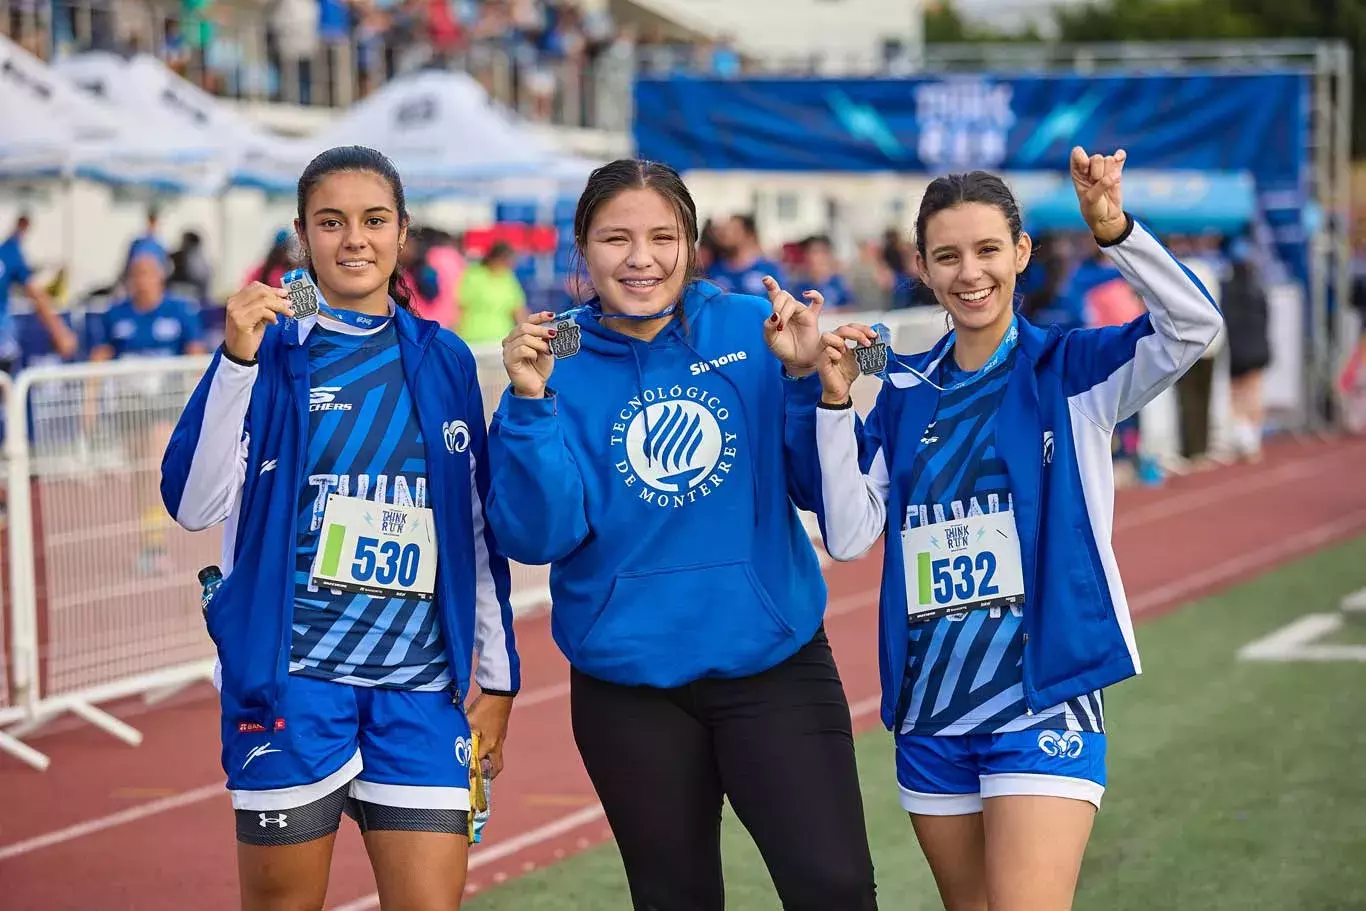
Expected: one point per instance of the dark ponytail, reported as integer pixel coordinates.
(365, 160)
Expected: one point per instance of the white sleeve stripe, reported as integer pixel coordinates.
(490, 638)
(1185, 323)
(219, 463)
(1095, 469)
(855, 504)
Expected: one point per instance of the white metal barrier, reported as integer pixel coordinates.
(104, 599)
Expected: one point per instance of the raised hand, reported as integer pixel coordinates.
(793, 332)
(1096, 179)
(527, 357)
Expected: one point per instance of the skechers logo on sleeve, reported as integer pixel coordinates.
(702, 367)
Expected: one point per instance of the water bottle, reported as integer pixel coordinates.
(210, 578)
(480, 787)
(479, 817)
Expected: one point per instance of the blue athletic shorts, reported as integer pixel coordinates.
(394, 748)
(951, 775)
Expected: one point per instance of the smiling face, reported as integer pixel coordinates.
(352, 231)
(971, 262)
(636, 254)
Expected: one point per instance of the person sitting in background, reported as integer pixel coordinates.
(822, 273)
(743, 265)
(492, 300)
(148, 323)
(15, 273)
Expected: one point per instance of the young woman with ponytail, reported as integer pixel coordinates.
(345, 453)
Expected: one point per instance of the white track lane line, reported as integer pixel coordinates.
(481, 857)
(1213, 575)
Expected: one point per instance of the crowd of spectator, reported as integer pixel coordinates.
(542, 57)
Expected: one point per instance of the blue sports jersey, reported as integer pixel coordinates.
(964, 671)
(14, 270)
(364, 441)
(166, 330)
(747, 279)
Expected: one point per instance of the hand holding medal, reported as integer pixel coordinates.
(529, 354)
(248, 313)
(839, 364)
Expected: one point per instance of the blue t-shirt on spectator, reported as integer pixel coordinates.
(14, 270)
(167, 330)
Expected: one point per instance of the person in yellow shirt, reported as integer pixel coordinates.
(492, 301)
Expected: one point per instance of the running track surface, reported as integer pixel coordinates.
(150, 828)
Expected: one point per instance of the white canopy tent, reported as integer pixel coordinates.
(446, 137)
(49, 127)
(251, 155)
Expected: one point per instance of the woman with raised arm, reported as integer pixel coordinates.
(986, 464)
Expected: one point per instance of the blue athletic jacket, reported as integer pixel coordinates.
(1065, 395)
(654, 480)
(237, 456)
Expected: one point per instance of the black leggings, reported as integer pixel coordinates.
(778, 745)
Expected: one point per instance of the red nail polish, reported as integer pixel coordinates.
(780, 327)
(552, 333)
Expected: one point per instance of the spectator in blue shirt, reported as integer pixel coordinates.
(823, 273)
(145, 406)
(743, 265)
(15, 273)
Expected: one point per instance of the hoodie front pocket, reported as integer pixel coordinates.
(669, 626)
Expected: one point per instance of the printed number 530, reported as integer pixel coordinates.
(956, 579)
(385, 562)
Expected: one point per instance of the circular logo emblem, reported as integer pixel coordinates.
(673, 446)
(675, 442)
(462, 751)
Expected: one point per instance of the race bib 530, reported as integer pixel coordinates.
(376, 549)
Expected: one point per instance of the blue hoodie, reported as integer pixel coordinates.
(654, 478)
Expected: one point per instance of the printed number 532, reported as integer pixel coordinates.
(957, 579)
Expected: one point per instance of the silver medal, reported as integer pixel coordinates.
(303, 294)
(872, 360)
(568, 338)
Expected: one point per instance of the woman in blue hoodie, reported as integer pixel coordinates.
(986, 464)
(651, 471)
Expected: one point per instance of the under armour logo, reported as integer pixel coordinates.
(457, 434)
(262, 750)
(1065, 745)
(277, 821)
(1048, 447)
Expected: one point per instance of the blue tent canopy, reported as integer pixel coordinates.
(1194, 202)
